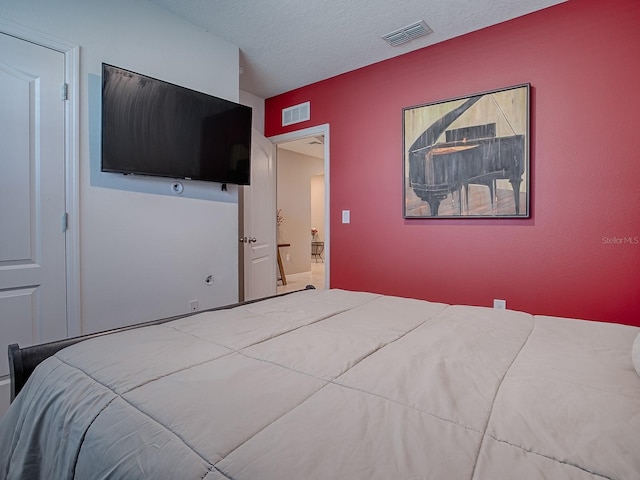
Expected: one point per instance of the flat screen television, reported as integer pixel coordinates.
(152, 127)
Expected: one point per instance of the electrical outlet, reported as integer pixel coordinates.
(193, 305)
(499, 304)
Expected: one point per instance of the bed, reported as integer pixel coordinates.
(334, 384)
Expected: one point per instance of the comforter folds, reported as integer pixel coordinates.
(334, 384)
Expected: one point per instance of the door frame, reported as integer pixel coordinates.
(71, 54)
(310, 132)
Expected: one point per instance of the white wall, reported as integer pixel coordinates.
(317, 205)
(257, 104)
(144, 253)
(5, 395)
(294, 174)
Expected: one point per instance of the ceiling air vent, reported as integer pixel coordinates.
(296, 114)
(407, 33)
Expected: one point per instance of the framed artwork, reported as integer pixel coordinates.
(468, 157)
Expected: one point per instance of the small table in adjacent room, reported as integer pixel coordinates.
(280, 266)
(316, 250)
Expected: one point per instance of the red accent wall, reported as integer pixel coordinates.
(582, 61)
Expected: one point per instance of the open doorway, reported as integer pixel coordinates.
(302, 207)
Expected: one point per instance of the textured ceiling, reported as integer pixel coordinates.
(286, 44)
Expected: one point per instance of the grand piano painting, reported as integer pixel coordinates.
(468, 157)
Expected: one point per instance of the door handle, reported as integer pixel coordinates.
(253, 240)
(243, 239)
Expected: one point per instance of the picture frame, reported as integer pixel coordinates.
(468, 157)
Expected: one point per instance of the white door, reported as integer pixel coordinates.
(258, 232)
(32, 195)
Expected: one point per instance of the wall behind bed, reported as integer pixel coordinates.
(145, 253)
(581, 58)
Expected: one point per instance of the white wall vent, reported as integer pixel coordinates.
(408, 33)
(296, 114)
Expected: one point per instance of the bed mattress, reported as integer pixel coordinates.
(335, 385)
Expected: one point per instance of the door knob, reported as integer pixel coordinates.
(243, 239)
(253, 240)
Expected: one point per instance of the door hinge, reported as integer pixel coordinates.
(65, 222)
(64, 91)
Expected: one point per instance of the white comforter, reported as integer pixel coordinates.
(335, 385)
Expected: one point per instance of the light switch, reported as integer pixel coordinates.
(346, 216)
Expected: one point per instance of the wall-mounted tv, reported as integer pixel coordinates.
(152, 127)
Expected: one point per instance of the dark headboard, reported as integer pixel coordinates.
(23, 361)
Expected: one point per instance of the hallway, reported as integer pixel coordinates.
(298, 281)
